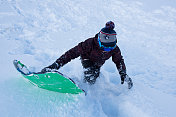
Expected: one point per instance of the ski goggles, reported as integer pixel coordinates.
(106, 46)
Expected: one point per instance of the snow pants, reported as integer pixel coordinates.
(91, 71)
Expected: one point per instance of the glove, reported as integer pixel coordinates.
(126, 78)
(54, 66)
(122, 78)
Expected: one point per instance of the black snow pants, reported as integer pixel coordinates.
(91, 71)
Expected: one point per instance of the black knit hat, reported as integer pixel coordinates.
(107, 34)
(109, 28)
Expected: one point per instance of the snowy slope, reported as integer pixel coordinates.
(37, 32)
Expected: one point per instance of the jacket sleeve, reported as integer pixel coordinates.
(74, 52)
(117, 58)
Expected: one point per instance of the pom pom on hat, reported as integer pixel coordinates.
(108, 29)
(110, 25)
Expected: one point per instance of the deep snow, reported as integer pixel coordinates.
(38, 32)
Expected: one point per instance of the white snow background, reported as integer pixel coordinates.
(37, 32)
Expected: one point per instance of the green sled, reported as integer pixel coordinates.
(52, 81)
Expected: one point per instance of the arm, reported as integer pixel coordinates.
(117, 58)
(69, 55)
(119, 61)
(81, 48)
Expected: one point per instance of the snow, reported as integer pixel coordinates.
(38, 32)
